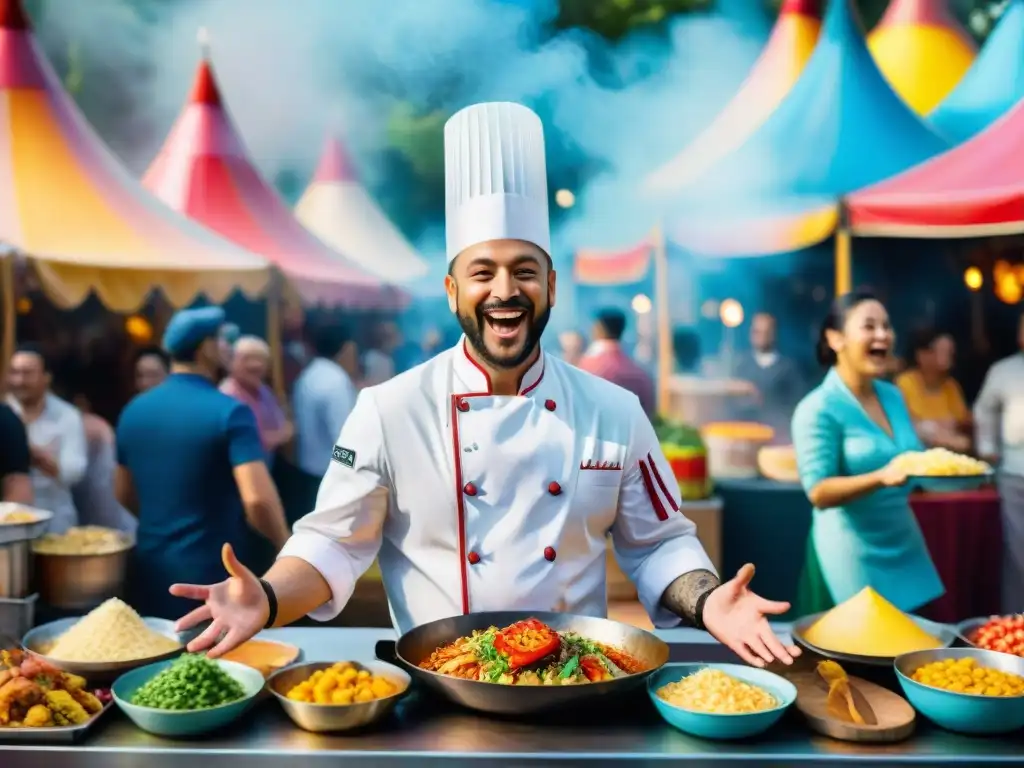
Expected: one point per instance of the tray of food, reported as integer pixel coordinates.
(940, 470)
(40, 703)
(109, 641)
(867, 629)
(19, 522)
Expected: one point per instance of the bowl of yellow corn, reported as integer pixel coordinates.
(340, 696)
(968, 690)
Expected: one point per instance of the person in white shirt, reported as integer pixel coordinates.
(489, 477)
(999, 424)
(323, 396)
(56, 435)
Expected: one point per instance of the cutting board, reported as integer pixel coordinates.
(265, 656)
(888, 717)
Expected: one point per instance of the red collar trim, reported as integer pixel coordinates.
(473, 378)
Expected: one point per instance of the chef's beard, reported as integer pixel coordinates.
(473, 326)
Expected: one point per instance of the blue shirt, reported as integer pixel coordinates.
(181, 441)
(874, 540)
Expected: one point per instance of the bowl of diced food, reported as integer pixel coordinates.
(968, 690)
(188, 696)
(341, 696)
(720, 701)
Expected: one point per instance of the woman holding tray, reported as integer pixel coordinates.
(846, 433)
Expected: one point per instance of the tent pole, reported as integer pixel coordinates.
(274, 299)
(10, 311)
(844, 254)
(658, 247)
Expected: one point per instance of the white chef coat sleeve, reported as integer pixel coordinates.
(341, 537)
(655, 543)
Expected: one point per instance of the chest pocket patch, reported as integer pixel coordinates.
(601, 464)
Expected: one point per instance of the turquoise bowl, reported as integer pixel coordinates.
(722, 727)
(963, 712)
(165, 722)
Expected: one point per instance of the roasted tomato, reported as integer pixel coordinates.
(593, 669)
(526, 642)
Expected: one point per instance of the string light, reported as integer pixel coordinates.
(973, 278)
(641, 304)
(731, 313)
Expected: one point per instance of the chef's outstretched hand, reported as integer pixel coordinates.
(738, 618)
(236, 608)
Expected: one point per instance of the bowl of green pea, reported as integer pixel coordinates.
(187, 696)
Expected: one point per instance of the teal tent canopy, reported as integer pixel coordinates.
(840, 128)
(993, 85)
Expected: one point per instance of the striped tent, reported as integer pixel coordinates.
(203, 170)
(336, 208)
(69, 204)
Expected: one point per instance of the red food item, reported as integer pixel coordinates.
(1004, 634)
(689, 467)
(593, 669)
(526, 642)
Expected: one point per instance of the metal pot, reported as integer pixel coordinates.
(16, 569)
(80, 582)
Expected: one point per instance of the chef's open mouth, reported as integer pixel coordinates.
(505, 322)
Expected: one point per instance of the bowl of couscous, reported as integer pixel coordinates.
(340, 696)
(720, 701)
(968, 690)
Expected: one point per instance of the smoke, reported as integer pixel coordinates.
(290, 70)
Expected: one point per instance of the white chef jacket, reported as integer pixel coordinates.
(479, 502)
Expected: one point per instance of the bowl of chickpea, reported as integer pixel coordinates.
(968, 690)
(341, 696)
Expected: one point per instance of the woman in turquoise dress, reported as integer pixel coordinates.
(846, 433)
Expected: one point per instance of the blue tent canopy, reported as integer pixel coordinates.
(840, 128)
(993, 85)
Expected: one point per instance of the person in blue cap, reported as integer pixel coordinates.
(191, 468)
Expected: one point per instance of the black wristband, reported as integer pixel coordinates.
(272, 603)
(698, 609)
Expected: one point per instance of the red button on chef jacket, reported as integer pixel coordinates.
(549, 554)
(473, 558)
(470, 489)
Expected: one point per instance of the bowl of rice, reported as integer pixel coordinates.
(720, 701)
(110, 640)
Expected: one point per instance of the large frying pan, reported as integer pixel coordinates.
(416, 645)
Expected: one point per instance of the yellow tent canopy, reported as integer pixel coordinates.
(69, 204)
(922, 50)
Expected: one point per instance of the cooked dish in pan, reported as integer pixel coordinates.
(531, 653)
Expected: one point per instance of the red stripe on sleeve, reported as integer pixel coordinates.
(661, 483)
(659, 508)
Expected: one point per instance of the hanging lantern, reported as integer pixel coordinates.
(1008, 289)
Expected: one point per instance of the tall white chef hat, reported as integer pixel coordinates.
(496, 180)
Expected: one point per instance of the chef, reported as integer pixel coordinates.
(489, 477)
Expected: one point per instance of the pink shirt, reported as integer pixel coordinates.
(263, 403)
(607, 360)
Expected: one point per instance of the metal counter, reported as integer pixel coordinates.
(424, 731)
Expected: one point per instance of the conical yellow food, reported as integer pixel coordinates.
(868, 625)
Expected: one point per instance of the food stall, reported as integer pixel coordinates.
(421, 731)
